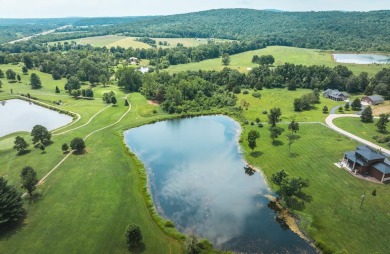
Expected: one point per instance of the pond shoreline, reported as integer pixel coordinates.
(290, 218)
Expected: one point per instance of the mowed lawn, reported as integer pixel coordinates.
(284, 99)
(282, 55)
(332, 211)
(86, 204)
(363, 130)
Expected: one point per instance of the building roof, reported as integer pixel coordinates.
(352, 157)
(383, 167)
(368, 154)
(335, 93)
(376, 98)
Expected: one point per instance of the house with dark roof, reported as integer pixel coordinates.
(366, 161)
(373, 99)
(335, 95)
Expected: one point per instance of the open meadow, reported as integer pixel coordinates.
(282, 55)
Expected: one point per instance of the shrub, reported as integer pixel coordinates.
(169, 224)
(260, 125)
(256, 95)
(133, 235)
(265, 112)
(245, 92)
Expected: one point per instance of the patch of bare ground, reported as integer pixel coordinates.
(381, 108)
(154, 103)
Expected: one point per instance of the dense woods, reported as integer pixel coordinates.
(348, 31)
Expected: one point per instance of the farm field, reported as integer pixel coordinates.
(282, 55)
(127, 42)
(363, 130)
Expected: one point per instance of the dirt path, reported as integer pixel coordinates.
(42, 180)
(329, 122)
(57, 134)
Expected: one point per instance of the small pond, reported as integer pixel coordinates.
(361, 58)
(18, 115)
(197, 179)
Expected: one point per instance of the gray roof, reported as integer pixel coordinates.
(376, 98)
(368, 154)
(383, 167)
(352, 157)
(335, 93)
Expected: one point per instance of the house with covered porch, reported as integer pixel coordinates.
(335, 95)
(366, 161)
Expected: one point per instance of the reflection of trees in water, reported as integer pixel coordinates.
(249, 170)
(3, 103)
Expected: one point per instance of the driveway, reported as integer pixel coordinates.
(329, 122)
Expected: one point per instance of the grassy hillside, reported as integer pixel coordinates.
(282, 55)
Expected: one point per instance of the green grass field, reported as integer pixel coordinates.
(332, 214)
(282, 98)
(363, 130)
(282, 55)
(86, 204)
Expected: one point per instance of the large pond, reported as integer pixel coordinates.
(361, 58)
(18, 115)
(197, 179)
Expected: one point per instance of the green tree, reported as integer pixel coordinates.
(107, 97)
(35, 81)
(18, 78)
(297, 104)
(382, 122)
(113, 100)
(291, 139)
(11, 75)
(225, 59)
(191, 244)
(252, 136)
(274, 116)
(1, 74)
(29, 180)
(346, 106)
(103, 79)
(57, 90)
(24, 70)
(28, 62)
(278, 177)
(266, 60)
(65, 147)
(20, 144)
(77, 144)
(73, 83)
(76, 93)
(366, 115)
(293, 127)
(275, 132)
(325, 110)
(11, 203)
(1, 84)
(40, 134)
(133, 235)
(89, 93)
(356, 104)
(130, 79)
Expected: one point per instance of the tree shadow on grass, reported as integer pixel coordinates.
(79, 152)
(10, 229)
(36, 197)
(140, 248)
(277, 143)
(256, 154)
(293, 155)
(305, 197)
(297, 204)
(21, 153)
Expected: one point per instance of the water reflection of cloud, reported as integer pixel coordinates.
(214, 197)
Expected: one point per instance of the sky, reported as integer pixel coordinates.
(93, 8)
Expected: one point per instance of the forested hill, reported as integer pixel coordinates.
(326, 30)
